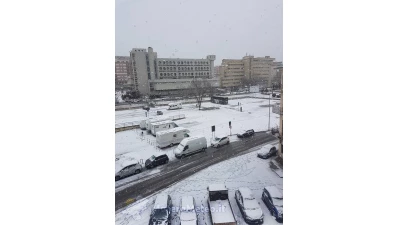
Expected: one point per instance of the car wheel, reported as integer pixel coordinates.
(217, 145)
(137, 171)
(166, 161)
(171, 145)
(183, 156)
(272, 212)
(117, 178)
(204, 149)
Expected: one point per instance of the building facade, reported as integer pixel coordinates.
(123, 71)
(153, 75)
(234, 70)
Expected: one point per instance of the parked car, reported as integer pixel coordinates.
(146, 108)
(187, 211)
(267, 151)
(273, 199)
(126, 168)
(216, 142)
(161, 213)
(159, 113)
(249, 207)
(246, 133)
(155, 161)
(273, 95)
(278, 95)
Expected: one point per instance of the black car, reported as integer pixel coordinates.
(273, 199)
(154, 161)
(161, 213)
(159, 113)
(267, 151)
(249, 207)
(246, 133)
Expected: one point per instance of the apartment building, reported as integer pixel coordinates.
(123, 71)
(217, 71)
(155, 75)
(234, 70)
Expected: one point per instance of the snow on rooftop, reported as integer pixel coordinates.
(274, 192)
(120, 164)
(161, 202)
(162, 122)
(246, 192)
(171, 130)
(217, 187)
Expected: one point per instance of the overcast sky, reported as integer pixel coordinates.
(194, 29)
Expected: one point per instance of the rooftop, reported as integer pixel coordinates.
(162, 122)
(171, 130)
(217, 187)
(246, 192)
(161, 202)
(274, 192)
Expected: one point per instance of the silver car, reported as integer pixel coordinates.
(126, 168)
(216, 142)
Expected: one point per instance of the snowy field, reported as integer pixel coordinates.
(254, 116)
(243, 171)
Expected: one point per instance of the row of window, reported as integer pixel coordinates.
(182, 63)
(184, 74)
(183, 68)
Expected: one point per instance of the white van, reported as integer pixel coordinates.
(160, 126)
(172, 136)
(190, 145)
(175, 105)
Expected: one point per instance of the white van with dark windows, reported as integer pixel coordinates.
(190, 145)
(172, 136)
(175, 106)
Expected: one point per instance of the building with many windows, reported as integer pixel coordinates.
(153, 75)
(123, 71)
(234, 70)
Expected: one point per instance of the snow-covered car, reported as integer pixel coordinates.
(273, 199)
(249, 206)
(267, 151)
(187, 213)
(246, 133)
(216, 142)
(126, 167)
(159, 113)
(161, 213)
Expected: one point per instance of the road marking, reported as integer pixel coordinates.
(129, 201)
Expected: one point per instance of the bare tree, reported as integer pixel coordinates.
(200, 87)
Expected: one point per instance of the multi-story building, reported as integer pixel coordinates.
(217, 71)
(260, 68)
(168, 75)
(123, 71)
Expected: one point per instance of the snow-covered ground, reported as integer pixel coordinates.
(244, 171)
(254, 116)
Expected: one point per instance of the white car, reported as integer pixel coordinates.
(187, 213)
(249, 206)
(216, 142)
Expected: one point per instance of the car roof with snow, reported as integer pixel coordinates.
(171, 130)
(122, 163)
(185, 140)
(246, 192)
(217, 187)
(274, 192)
(161, 202)
(187, 202)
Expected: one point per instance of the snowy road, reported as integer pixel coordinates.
(181, 169)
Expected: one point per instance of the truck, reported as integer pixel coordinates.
(160, 126)
(170, 137)
(219, 206)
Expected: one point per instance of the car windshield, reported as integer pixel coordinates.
(205, 87)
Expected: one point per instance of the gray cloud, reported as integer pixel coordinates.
(193, 29)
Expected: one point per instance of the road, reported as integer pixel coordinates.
(181, 169)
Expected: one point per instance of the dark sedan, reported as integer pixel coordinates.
(246, 133)
(154, 161)
(267, 151)
(273, 199)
